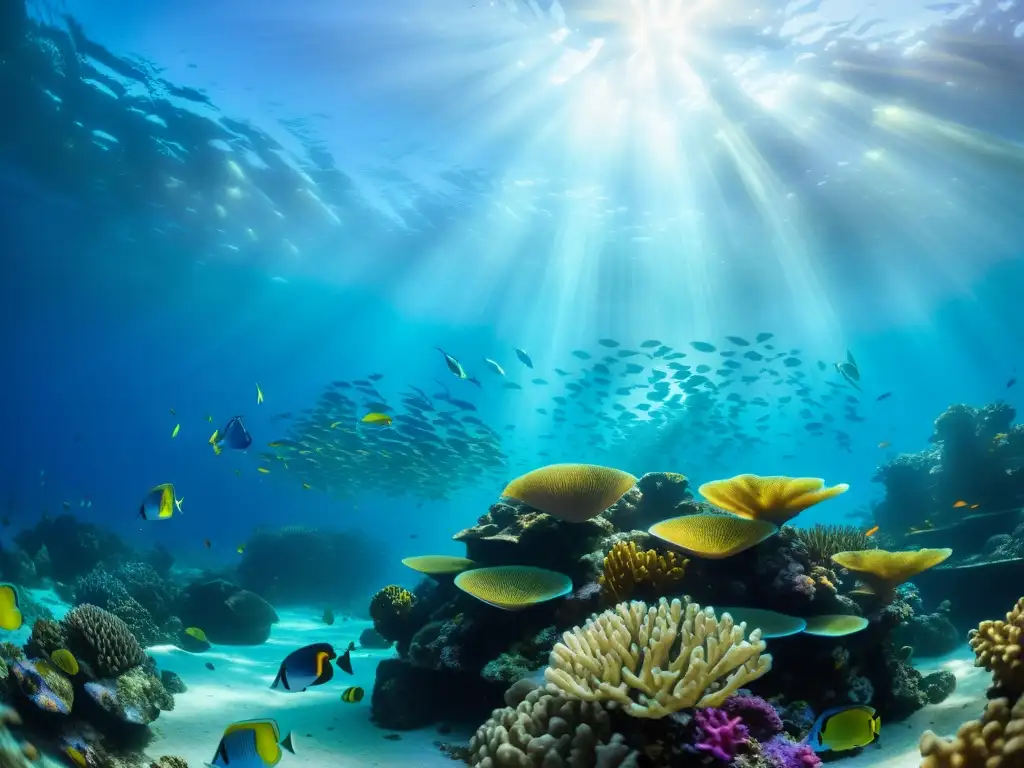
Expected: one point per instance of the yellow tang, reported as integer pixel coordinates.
(10, 615)
(160, 503)
(377, 419)
(352, 695)
(263, 470)
(842, 728)
(65, 660)
(197, 633)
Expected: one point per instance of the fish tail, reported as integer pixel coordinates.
(288, 743)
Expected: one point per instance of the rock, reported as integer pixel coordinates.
(369, 638)
(228, 614)
(407, 697)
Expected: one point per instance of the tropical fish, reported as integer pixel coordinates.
(524, 358)
(344, 661)
(884, 396)
(174, 432)
(197, 633)
(328, 616)
(65, 660)
(884, 444)
(309, 665)
(456, 367)
(842, 728)
(259, 394)
(251, 744)
(10, 613)
(376, 419)
(494, 366)
(160, 503)
(263, 470)
(234, 436)
(352, 695)
(871, 531)
(960, 503)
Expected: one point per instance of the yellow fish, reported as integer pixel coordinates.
(251, 743)
(376, 419)
(263, 470)
(843, 728)
(240, 549)
(259, 394)
(352, 695)
(66, 660)
(10, 614)
(197, 633)
(174, 433)
(160, 503)
(209, 418)
(76, 756)
(274, 444)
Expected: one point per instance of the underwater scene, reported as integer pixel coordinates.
(512, 384)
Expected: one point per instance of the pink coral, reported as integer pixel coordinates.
(783, 753)
(720, 734)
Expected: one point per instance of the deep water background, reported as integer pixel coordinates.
(101, 337)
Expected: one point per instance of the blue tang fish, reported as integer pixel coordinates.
(842, 728)
(310, 665)
(234, 436)
(251, 744)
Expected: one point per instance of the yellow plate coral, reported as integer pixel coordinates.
(712, 536)
(774, 499)
(513, 587)
(882, 571)
(571, 492)
(438, 565)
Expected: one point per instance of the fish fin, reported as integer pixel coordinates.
(345, 662)
(281, 680)
(178, 503)
(288, 742)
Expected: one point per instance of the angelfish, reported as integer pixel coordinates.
(456, 367)
(309, 665)
(234, 436)
(160, 503)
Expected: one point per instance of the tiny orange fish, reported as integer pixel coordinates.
(884, 444)
(871, 531)
(960, 503)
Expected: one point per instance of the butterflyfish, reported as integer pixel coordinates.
(10, 613)
(309, 665)
(160, 503)
(352, 695)
(251, 744)
(843, 728)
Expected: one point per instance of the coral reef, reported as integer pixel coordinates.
(137, 595)
(928, 634)
(719, 734)
(73, 547)
(629, 573)
(823, 541)
(102, 641)
(228, 614)
(629, 652)
(391, 610)
(300, 565)
(994, 741)
(997, 648)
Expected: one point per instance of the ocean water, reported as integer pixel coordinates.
(203, 200)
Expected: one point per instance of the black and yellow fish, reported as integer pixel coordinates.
(251, 744)
(160, 503)
(352, 695)
(308, 666)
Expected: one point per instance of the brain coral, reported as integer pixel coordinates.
(549, 731)
(102, 640)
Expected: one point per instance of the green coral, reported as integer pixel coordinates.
(102, 640)
(390, 610)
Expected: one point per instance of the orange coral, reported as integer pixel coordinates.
(997, 648)
(628, 568)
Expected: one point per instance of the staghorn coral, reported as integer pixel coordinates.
(549, 731)
(571, 492)
(995, 741)
(823, 541)
(625, 652)
(775, 500)
(628, 569)
(997, 648)
(102, 640)
(390, 609)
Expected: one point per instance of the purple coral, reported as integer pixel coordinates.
(757, 714)
(783, 753)
(719, 734)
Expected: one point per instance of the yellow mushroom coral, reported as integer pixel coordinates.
(712, 536)
(571, 492)
(776, 500)
(628, 568)
(438, 565)
(997, 648)
(513, 587)
(881, 571)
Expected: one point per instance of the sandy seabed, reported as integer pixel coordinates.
(329, 733)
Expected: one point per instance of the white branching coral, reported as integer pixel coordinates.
(658, 660)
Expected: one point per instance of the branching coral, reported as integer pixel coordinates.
(997, 648)
(995, 741)
(102, 640)
(627, 568)
(549, 731)
(390, 609)
(823, 541)
(625, 652)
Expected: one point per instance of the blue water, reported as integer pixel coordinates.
(447, 178)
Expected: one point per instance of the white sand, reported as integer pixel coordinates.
(326, 730)
(897, 747)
